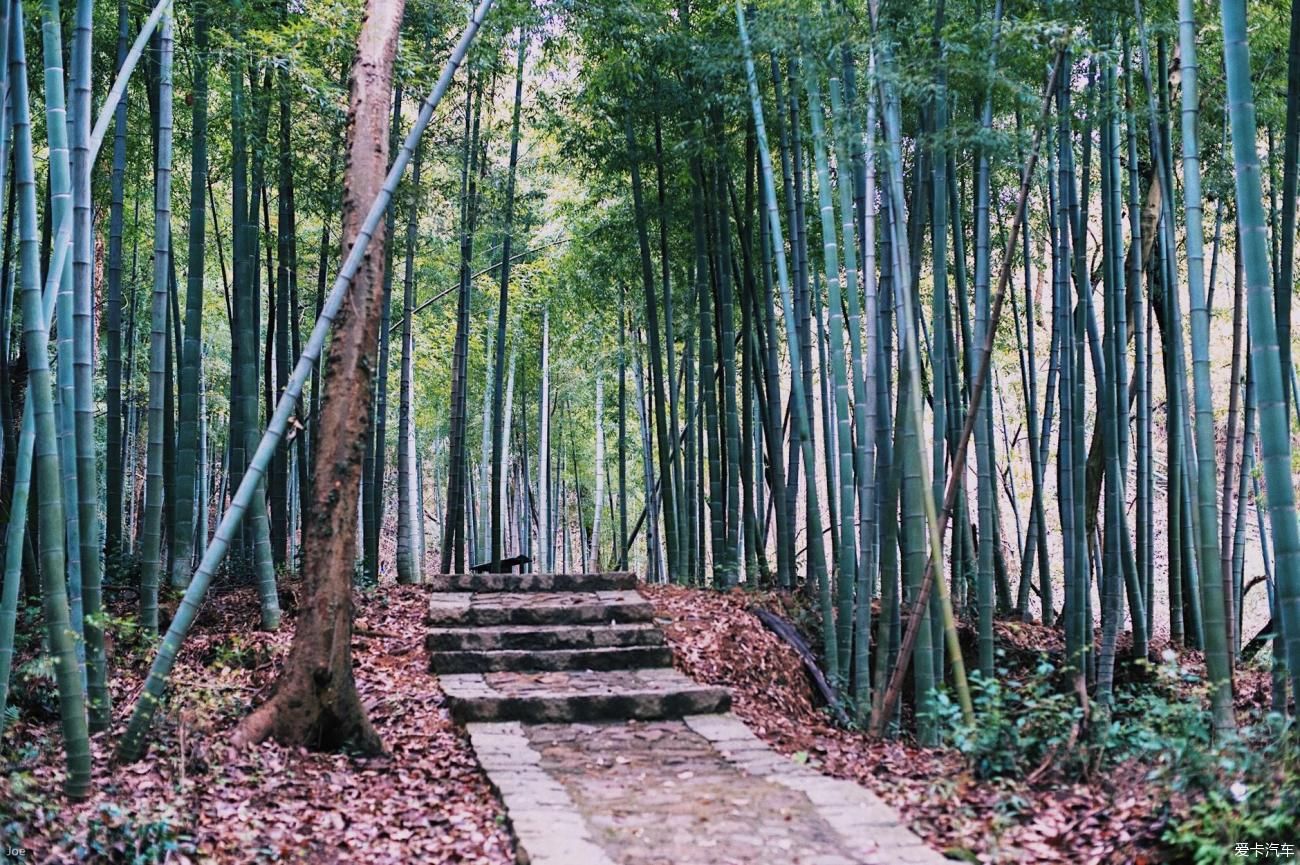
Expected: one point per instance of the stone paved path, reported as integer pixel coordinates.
(616, 759)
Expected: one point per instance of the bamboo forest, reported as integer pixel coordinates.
(649, 432)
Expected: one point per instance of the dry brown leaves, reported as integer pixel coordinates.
(425, 801)
(714, 639)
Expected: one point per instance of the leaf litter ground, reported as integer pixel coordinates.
(426, 801)
(717, 640)
(193, 799)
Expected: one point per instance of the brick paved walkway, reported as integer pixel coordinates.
(604, 755)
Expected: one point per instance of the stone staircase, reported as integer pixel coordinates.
(553, 648)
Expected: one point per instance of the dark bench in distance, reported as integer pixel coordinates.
(507, 565)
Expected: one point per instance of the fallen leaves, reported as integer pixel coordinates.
(425, 801)
(1113, 820)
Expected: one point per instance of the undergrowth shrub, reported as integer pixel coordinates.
(115, 835)
(1021, 720)
(1221, 796)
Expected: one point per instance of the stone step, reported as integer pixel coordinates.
(478, 609)
(514, 660)
(536, 638)
(604, 582)
(580, 695)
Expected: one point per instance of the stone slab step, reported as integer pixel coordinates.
(477, 609)
(604, 582)
(514, 660)
(543, 637)
(564, 697)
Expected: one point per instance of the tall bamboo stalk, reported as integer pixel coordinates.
(151, 564)
(837, 622)
(409, 518)
(495, 498)
(816, 550)
(188, 425)
(1264, 352)
(45, 466)
(1214, 619)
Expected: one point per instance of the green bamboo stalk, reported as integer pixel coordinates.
(1290, 181)
(374, 459)
(986, 492)
(622, 438)
(409, 562)
(188, 423)
(909, 334)
(1232, 460)
(670, 342)
(837, 624)
(60, 183)
(483, 525)
(1218, 659)
(82, 361)
(816, 549)
(937, 522)
(598, 467)
(453, 544)
(1264, 353)
(1120, 375)
(709, 388)
(1112, 395)
(864, 422)
(279, 490)
(496, 498)
(113, 475)
(257, 534)
(785, 528)
(659, 391)
(727, 403)
(72, 708)
(1143, 534)
(544, 536)
(151, 558)
(1244, 482)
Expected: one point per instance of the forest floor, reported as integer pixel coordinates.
(193, 799)
(1067, 814)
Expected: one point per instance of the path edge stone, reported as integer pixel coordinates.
(861, 818)
(547, 826)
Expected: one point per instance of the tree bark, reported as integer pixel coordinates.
(315, 701)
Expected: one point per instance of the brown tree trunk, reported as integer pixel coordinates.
(315, 701)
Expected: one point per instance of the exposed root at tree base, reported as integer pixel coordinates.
(320, 719)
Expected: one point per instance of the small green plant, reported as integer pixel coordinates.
(127, 638)
(1245, 790)
(362, 581)
(115, 836)
(121, 568)
(34, 693)
(236, 652)
(1020, 722)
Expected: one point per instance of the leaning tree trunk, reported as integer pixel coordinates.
(315, 700)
